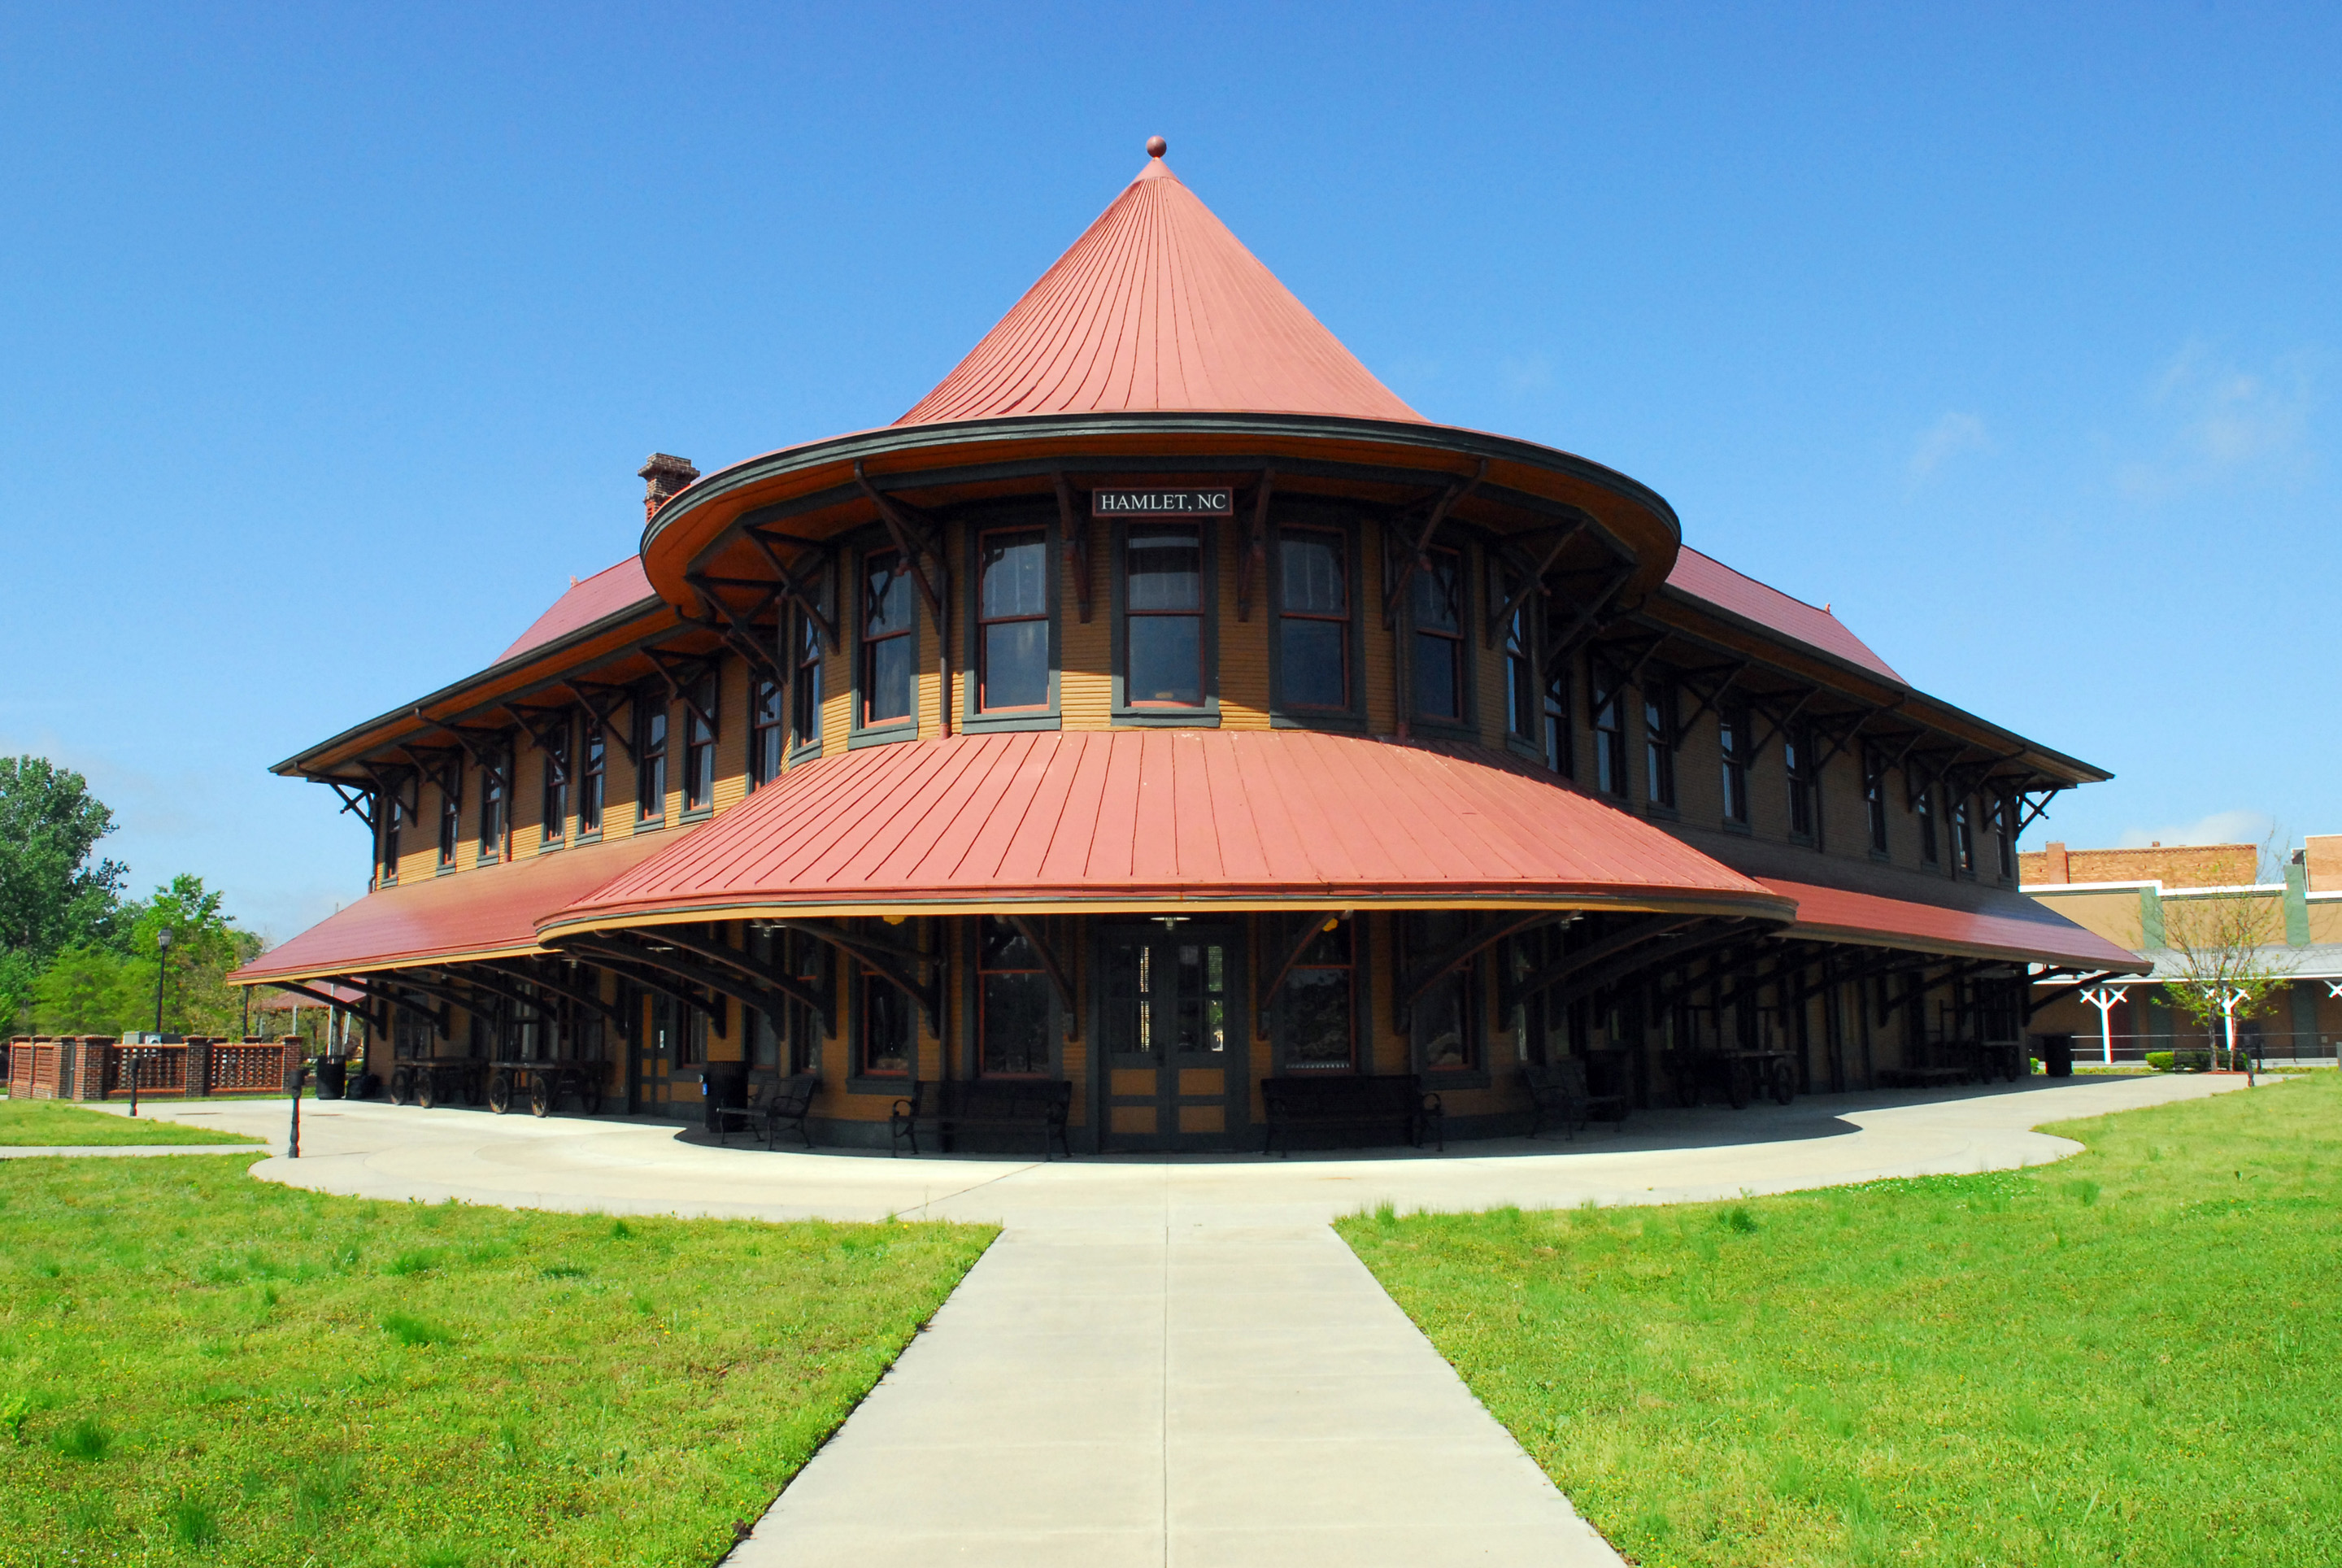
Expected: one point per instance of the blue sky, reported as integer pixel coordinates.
(330, 337)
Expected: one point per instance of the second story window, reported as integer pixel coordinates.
(805, 715)
(1163, 616)
(1437, 609)
(1522, 707)
(1011, 619)
(1609, 734)
(592, 762)
(1797, 762)
(888, 639)
(2003, 842)
(1732, 739)
(1923, 805)
(1312, 620)
(764, 732)
(650, 761)
(451, 812)
(1560, 754)
(1873, 799)
(492, 811)
(394, 820)
(1659, 743)
(1963, 836)
(555, 802)
(699, 714)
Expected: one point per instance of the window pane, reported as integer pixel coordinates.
(1435, 678)
(1439, 1019)
(886, 600)
(1435, 602)
(1311, 569)
(1015, 1023)
(1165, 568)
(1017, 664)
(1310, 663)
(886, 1027)
(1016, 575)
(1318, 1017)
(1166, 660)
(888, 694)
(1004, 947)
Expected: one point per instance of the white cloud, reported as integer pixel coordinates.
(2237, 827)
(2221, 422)
(1950, 437)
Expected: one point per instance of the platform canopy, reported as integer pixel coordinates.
(1164, 821)
(2000, 924)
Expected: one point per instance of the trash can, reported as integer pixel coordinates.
(724, 1083)
(332, 1079)
(2056, 1054)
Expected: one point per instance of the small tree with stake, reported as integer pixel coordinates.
(2228, 960)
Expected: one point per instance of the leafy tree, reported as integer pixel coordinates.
(2228, 959)
(91, 990)
(51, 896)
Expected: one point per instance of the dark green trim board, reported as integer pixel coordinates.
(2296, 905)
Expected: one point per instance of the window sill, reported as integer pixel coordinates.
(1882, 857)
(1527, 750)
(1658, 813)
(1444, 728)
(697, 814)
(899, 1088)
(1345, 721)
(886, 736)
(810, 752)
(593, 838)
(1004, 723)
(446, 868)
(649, 824)
(1168, 718)
(1743, 828)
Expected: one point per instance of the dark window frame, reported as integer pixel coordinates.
(1351, 716)
(1207, 714)
(386, 848)
(768, 739)
(973, 715)
(1802, 787)
(496, 810)
(553, 787)
(1662, 741)
(1923, 807)
(699, 750)
(1361, 994)
(1874, 803)
(1605, 691)
(2004, 808)
(1417, 941)
(653, 735)
(860, 730)
(1962, 821)
(808, 685)
(1465, 724)
(1732, 738)
(592, 779)
(1558, 749)
(974, 969)
(451, 814)
(865, 980)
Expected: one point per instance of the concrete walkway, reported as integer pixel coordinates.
(1174, 1361)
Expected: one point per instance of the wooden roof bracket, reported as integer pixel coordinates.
(1587, 619)
(739, 631)
(1511, 994)
(899, 964)
(744, 963)
(1074, 538)
(1912, 794)
(1460, 952)
(1782, 724)
(2035, 813)
(2097, 977)
(802, 588)
(387, 780)
(490, 759)
(1708, 699)
(1314, 924)
(1416, 556)
(442, 1021)
(583, 996)
(1532, 579)
(357, 799)
(1632, 964)
(552, 739)
(698, 666)
(625, 960)
(915, 546)
(1854, 730)
(1035, 933)
(374, 1020)
(603, 703)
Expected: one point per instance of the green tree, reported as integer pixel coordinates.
(51, 896)
(91, 990)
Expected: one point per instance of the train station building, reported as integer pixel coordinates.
(1163, 709)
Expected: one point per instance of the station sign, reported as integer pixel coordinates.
(1219, 502)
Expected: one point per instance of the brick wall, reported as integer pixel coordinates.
(2173, 865)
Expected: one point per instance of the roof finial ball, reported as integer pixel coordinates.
(1157, 147)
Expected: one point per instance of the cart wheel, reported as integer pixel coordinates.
(540, 1094)
(589, 1097)
(402, 1085)
(500, 1093)
(1784, 1084)
(1738, 1087)
(427, 1089)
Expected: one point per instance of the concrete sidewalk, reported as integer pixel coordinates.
(1173, 1360)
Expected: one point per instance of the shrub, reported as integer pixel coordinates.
(2158, 1061)
(2191, 1061)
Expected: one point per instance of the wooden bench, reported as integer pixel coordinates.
(1557, 1090)
(1348, 1102)
(982, 1105)
(781, 1102)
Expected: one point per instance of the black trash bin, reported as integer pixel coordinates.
(2056, 1054)
(332, 1079)
(723, 1083)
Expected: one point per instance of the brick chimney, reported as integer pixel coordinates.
(664, 476)
(2054, 865)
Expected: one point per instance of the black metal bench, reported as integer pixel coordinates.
(1351, 1103)
(778, 1103)
(1557, 1090)
(982, 1105)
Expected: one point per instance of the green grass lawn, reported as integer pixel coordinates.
(198, 1367)
(2132, 1357)
(60, 1124)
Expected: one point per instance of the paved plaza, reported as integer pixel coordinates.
(1173, 1360)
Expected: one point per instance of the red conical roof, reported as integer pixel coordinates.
(1158, 306)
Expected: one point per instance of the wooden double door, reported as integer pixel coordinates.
(1172, 1036)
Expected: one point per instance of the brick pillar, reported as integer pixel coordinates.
(87, 1054)
(296, 1051)
(199, 1065)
